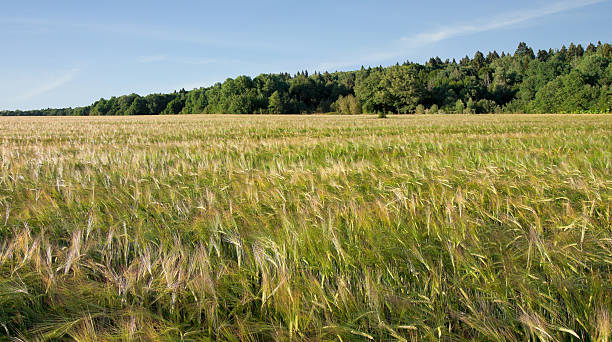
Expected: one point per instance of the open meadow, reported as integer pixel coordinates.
(258, 228)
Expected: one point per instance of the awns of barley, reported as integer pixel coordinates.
(320, 228)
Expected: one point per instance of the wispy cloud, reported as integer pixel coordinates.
(404, 44)
(48, 86)
(186, 60)
(496, 23)
(23, 21)
(204, 61)
(152, 59)
(154, 33)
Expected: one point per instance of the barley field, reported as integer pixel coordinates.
(306, 228)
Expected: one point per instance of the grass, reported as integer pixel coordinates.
(256, 228)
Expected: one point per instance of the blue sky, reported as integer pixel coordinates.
(71, 53)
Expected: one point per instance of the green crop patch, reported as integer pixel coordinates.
(258, 228)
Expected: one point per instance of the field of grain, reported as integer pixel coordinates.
(257, 228)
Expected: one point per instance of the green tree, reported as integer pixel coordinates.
(509, 83)
(100, 107)
(469, 108)
(354, 105)
(156, 103)
(123, 103)
(567, 94)
(486, 106)
(459, 107)
(138, 107)
(478, 61)
(593, 69)
(81, 111)
(347, 105)
(420, 109)
(433, 109)
(524, 51)
(175, 106)
(276, 104)
(195, 101)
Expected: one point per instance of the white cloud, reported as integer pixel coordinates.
(152, 59)
(55, 83)
(23, 21)
(155, 33)
(399, 48)
(186, 61)
(495, 23)
(204, 61)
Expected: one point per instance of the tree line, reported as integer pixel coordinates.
(572, 79)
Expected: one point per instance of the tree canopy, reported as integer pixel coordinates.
(563, 80)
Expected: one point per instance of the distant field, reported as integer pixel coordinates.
(457, 227)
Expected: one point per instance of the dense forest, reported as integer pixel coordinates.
(572, 79)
